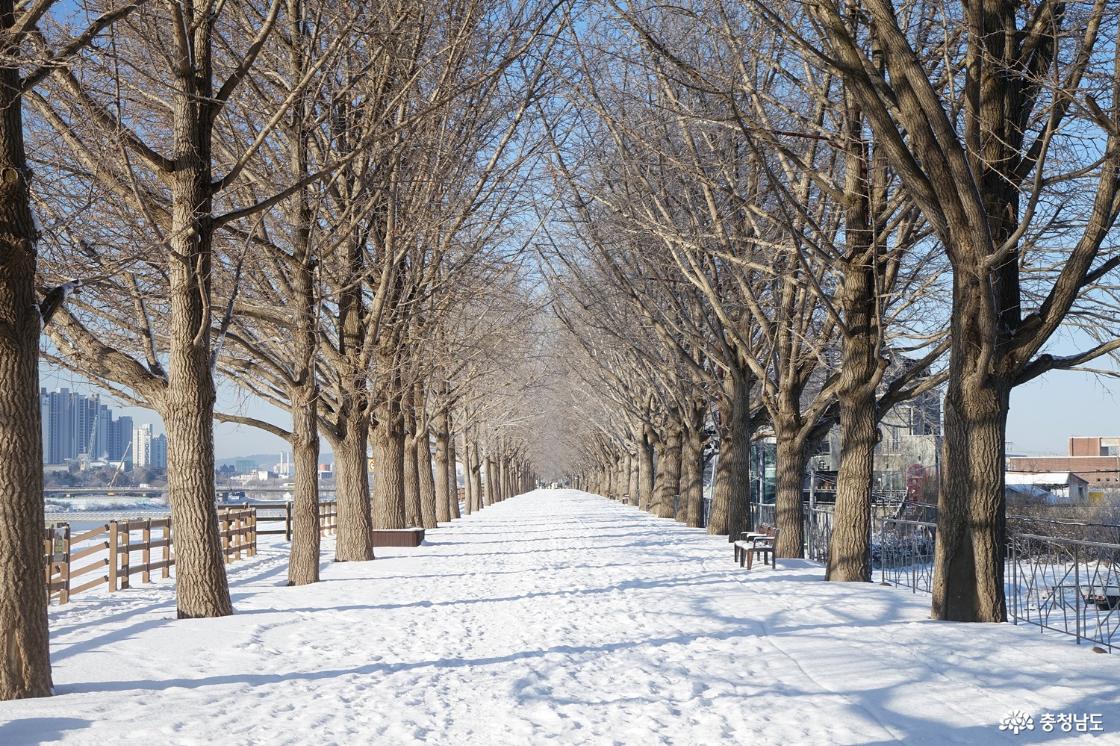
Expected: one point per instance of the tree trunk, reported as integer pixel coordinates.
(413, 508)
(668, 474)
(476, 476)
(971, 508)
(658, 476)
(303, 557)
(790, 473)
(388, 477)
(468, 486)
(502, 467)
(427, 480)
(452, 477)
(488, 496)
(303, 394)
(607, 489)
(201, 588)
(645, 469)
(355, 540)
(25, 669)
(692, 478)
(445, 465)
(849, 555)
(633, 479)
(731, 492)
(622, 476)
(188, 407)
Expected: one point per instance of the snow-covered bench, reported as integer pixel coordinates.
(754, 543)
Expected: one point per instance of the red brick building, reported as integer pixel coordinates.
(1095, 459)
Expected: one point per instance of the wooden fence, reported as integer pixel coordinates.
(273, 513)
(109, 550)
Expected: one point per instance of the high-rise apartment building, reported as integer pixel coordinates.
(149, 449)
(120, 440)
(77, 426)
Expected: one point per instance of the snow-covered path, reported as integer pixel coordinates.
(554, 616)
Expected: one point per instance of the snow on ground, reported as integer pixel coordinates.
(555, 616)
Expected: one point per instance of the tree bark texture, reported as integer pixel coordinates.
(413, 507)
(790, 473)
(645, 469)
(303, 557)
(476, 476)
(692, 478)
(354, 542)
(445, 465)
(731, 492)
(25, 669)
(971, 507)
(389, 473)
(452, 478)
(427, 480)
(668, 474)
(188, 408)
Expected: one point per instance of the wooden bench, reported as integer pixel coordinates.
(755, 543)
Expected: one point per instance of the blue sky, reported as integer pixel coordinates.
(1048, 410)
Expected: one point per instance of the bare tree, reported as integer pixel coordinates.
(28, 58)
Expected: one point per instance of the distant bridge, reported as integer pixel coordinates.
(104, 492)
(222, 492)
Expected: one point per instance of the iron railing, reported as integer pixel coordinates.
(1056, 583)
(818, 534)
(1065, 585)
(903, 552)
(764, 514)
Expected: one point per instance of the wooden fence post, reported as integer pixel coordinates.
(47, 542)
(241, 533)
(127, 535)
(113, 543)
(64, 592)
(224, 526)
(252, 532)
(146, 577)
(167, 549)
(287, 521)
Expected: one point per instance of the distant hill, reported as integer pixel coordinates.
(267, 459)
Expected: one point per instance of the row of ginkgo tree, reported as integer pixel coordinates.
(785, 217)
(308, 200)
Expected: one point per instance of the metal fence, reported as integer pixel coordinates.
(1057, 583)
(1052, 579)
(903, 552)
(817, 533)
(764, 514)
(1066, 585)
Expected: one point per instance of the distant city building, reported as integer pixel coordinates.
(284, 468)
(149, 449)
(120, 440)
(245, 465)
(907, 454)
(1055, 487)
(1096, 459)
(159, 452)
(80, 427)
